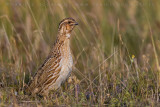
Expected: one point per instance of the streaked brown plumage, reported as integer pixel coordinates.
(58, 65)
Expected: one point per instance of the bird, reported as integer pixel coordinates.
(58, 65)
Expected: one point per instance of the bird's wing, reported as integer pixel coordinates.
(46, 74)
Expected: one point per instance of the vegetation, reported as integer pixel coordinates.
(116, 51)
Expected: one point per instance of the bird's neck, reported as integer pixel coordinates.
(62, 46)
(65, 48)
(63, 40)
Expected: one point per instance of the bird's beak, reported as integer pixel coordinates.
(76, 23)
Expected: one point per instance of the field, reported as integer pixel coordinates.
(116, 50)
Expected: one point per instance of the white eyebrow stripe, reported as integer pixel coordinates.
(62, 23)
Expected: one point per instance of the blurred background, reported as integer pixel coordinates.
(116, 50)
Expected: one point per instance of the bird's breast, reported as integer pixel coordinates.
(66, 62)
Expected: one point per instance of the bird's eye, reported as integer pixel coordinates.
(69, 22)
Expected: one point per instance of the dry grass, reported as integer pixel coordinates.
(116, 51)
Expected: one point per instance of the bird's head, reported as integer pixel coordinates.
(67, 25)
